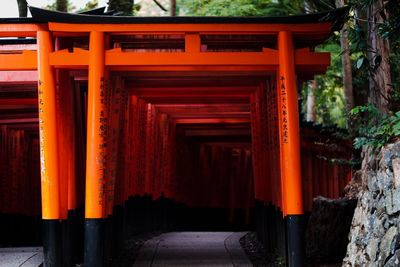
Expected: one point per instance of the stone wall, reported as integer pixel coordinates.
(374, 238)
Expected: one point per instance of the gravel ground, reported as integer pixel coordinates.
(260, 258)
(256, 252)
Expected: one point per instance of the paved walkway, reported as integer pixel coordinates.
(21, 257)
(193, 249)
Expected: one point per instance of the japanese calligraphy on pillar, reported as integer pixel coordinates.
(284, 110)
(41, 130)
(113, 122)
(103, 132)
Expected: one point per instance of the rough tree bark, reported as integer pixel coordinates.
(378, 58)
(346, 65)
(172, 8)
(22, 8)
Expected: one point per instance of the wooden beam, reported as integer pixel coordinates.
(78, 58)
(116, 57)
(218, 132)
(18, 77)
(211, 121)
(21, 30)
(27, 60)
(317, 28)
(18, 121)
(18, 101)
(191, 61)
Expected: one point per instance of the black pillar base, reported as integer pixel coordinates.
(94, 243)
(295, 240)
(52, 243)
(280, 229)
(72, 231)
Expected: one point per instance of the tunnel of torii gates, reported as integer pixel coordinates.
(150, 92)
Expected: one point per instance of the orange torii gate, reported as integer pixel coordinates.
(271, 54)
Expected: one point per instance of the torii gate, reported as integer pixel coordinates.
(285, 56)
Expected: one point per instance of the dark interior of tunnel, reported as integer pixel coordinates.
(214, 170)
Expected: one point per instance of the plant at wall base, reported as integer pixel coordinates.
(373, 127)
(280, 261)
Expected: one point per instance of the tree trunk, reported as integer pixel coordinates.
(346, 65)
(22, 8)
(62, 5)
(311, 105)
(378, 58)
(172, 8)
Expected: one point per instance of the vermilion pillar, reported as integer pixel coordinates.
(290, 149)
(97, 131)
(67, 153)
(67, 159)
(48, 153)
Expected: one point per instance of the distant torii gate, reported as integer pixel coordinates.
(285, 55)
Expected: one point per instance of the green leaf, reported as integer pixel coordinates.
(360, 62)
(396, 127)
(359, 142)
(355, 110)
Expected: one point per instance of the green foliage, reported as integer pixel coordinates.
(329, 96)
(221, 7)
(125, 7)
(64, 6)
(251, 7)
(90, 5)
(391, 25)
(395, 68)
(374, 128)
(295, 7)
(283, 8)
(358, 34)
(330, 92)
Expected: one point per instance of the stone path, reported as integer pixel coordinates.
(21, 257)
(193, 249)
